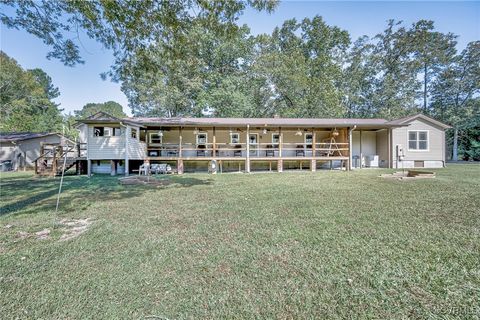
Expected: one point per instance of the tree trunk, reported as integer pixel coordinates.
(425, 80)
(455, 145)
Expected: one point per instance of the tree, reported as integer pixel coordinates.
(300, 65)
(126, 27)
(25, 103)
(455, 93)
(45, 80)
(110, 107)
(432, 51)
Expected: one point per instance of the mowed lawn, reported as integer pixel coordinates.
(295, 245)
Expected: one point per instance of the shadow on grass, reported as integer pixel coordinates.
(182, 181)
(37, 195)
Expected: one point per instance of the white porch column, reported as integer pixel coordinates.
(247, 141)
(127, 136)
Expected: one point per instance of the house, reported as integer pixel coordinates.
(120, 146)
(23, 148)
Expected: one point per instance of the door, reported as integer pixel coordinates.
(253, 142)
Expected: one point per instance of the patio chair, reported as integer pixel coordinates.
(237, 153)
(201, 150)
(270, 152)
(299, 152)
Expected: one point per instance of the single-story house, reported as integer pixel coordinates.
(22, 148)
(116, 145)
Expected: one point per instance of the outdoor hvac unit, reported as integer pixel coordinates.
(371, 161)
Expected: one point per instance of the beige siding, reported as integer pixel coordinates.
(136, 148)
(436, 142)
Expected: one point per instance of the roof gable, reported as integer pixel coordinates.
(407, 120)
(102, 116)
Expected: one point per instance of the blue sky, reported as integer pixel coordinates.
(82, 84)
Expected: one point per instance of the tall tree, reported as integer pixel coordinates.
(25, 104)
(110, 107)
(455, 93)
(45, 81)
(432, 51)
(302, 67)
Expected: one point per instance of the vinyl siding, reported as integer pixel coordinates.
(436, 142)
(105, 147)
(7, 151)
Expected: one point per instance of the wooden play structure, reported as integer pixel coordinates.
(56, 158)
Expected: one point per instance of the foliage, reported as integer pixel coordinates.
(110, 107)
(126, 27)
(25, 99)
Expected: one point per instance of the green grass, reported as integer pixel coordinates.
(294, 245)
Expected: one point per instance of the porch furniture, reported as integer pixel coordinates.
(201, 150)
(270, 152)
(299, 152)
(237, 153)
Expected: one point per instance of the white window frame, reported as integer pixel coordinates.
(232, 134)
(134, 131)
(109, 130)
(276, 134)
(201, 133)
(418, 140)
(150, 134)
(305, 140)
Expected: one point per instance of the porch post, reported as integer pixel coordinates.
(389, 144)
(127, 136)
(89, 168)
(313, 162)
(280, 165)
(180, 166)
(280, 142)
(247, 141)
(113, 167)
(214, 147)
(361, 153)
(349, 164)
(180, 139)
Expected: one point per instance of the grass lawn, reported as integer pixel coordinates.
(294, 245)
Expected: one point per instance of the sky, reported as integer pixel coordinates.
(82, 84)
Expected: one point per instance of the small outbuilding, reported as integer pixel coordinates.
(21, 149)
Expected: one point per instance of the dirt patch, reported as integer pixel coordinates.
(144, 180)
(43, 235)
(409, 175)
(73, 228)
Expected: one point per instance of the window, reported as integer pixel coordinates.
(133, 133)
(106, 131)
(155, 138)
(201, 138)
(308, 140)
(417, 140)
(275, 138)
(234, 138)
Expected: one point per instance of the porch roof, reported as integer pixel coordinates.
(263, 122)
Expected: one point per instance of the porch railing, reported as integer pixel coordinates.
(239, 150)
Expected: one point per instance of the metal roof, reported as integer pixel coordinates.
(258, 122)
(19, 136)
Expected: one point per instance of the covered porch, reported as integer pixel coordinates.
(251, 147)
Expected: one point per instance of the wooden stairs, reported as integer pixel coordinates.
(56, 159)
